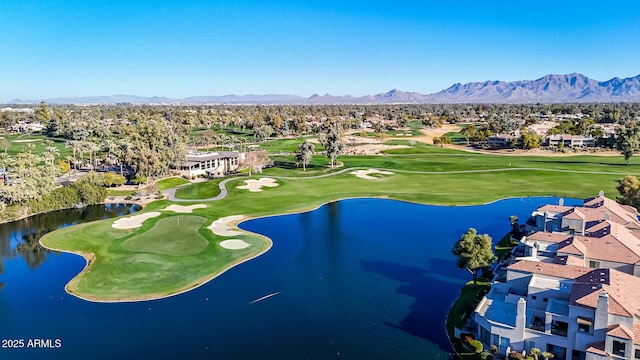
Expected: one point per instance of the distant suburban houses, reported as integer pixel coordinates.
(26, 127)
(573, 288)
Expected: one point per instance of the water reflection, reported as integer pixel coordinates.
(21, 237)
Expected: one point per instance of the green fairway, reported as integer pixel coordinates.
(175, 235)
(199, 190)
(142, 264)
(168, 183)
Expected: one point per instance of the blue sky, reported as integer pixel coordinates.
(55, 48)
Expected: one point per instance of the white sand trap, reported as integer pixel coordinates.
(256, 185)
(234, 244)
(184, 209)
(221, 227)
(364, 174)
(26, 141)
(135, 221)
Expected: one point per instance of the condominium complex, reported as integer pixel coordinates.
(573, 288)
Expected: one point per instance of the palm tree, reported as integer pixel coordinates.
(49, 157)
(71, 160)
(74, 145)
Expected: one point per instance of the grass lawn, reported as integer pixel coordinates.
(175, 235)
(17, 144)
(111, 192)
(465, 303)
(199, 190)
(128, 266)
(168, 183)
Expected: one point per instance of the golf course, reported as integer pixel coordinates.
(174, 249)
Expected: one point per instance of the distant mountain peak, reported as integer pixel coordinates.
(556, 88)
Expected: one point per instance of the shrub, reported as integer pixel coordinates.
(477, 345)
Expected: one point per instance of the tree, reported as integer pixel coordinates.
(629, 189)
(255, 161)
(628, 141)
(515, 227)
(468, 132)
(304, 156)
(474, 252)
(441, 140)
(332, 143)
(530, 140)
(42, 114)
(63, 166)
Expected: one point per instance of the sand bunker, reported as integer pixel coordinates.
(234, 244)
(221, 227)
(256, 185)
(134, 221)
(364, 174)
(184, 209)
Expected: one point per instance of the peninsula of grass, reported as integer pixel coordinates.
(199, 190)
(126, 265)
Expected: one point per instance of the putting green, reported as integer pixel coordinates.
(174, 235)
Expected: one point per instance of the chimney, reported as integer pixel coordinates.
(602, 311)
(607, 216)
(601, 193)
(561, 202)
(521, 318)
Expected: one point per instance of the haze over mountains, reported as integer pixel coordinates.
(548, 89)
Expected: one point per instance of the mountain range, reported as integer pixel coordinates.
(547, 89)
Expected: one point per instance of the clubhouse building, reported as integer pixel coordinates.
(209, 164)
(573, 289)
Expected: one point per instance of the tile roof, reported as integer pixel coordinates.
(549, 269)
(636, 334)
(568, 260)
(619, 331)
(548, 237)
(623, 290)
(558, 209)
(597, 348)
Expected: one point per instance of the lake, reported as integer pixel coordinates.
(354, 279)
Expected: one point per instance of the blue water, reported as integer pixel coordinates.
(356, 279)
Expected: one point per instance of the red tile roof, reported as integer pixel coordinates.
(623, 290)
(548, 237)
(550, 269)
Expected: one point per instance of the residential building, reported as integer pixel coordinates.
(502, 141)
(570, 141)
(576, 291)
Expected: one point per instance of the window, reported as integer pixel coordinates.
(533, 297)
(559, 328)
(619, 348)
(532, 344)
(578, 355)
(485, 335)
(504, 344)
(559, 352)
(594, 264)
(495, 339)
(637, 356)
(585, 325)
(545, 299)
